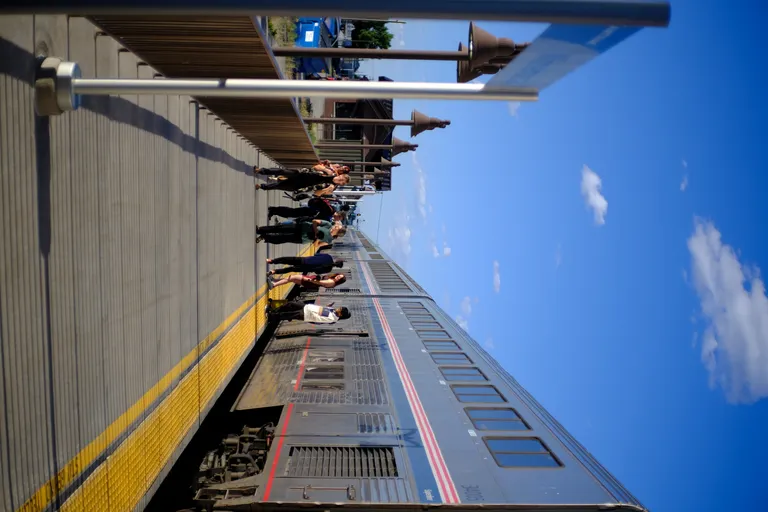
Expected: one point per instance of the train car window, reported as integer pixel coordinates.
(318, 385)
(496, 419)
(450, 358)
(324, 372)
(441, 345)
(484, 394)
(417, 324)
(433, 335)
(386, 277)
(462, 373)
(520, 452)
(412, 306)
(418, 317)
(325, 356)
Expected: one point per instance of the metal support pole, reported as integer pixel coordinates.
(354, 192)
(245, 88)
(652, 13)
(321, 145)
(368, 53)
(354, 120)
(419, 122)
(369, 164)
(385, 20)
(62, 86)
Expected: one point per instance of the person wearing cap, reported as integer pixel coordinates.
(310, 313)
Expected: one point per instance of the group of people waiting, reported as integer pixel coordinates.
(317, 221)
(324, 175)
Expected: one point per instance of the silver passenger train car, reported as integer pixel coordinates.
(395, 408)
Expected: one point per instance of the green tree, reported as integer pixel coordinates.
(371, 34)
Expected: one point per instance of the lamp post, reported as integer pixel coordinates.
(418, 122)
(488, 54)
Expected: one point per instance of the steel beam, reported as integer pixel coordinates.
(59, 88)
(650, 13)
(354, 192)
(323, 145)
(247, 88)
(369, 164)
(370, 53)
(358, 121)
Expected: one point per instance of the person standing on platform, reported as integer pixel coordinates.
(317, 207)
(300, 231)
(317, 264)
(325, 168)
(297, 180)
(310, 313)
(310, 282)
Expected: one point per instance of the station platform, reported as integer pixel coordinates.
(130, 284)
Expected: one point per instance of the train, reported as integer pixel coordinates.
(395, 408)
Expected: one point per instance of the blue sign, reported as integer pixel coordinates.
(559, 50)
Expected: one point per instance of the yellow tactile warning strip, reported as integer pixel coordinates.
(120, 465)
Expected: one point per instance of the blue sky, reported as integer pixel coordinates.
(605, 244)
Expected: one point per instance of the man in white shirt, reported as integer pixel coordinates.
(310, 313)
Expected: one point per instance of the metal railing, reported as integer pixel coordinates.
(558, 51)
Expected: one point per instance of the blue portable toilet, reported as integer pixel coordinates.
(308, 32)
(316, 32)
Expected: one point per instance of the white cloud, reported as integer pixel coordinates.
(398, 31)
(489, 344)
(734, 345)
(591, 185)
(684, 183)
(496, 277)
(422, 197)
(466, 306)
(443, 228)
(558, 256)
(466, 311)
(513, 106)
(685, 164)
(437, 251)
(421, 188)
(399, 239)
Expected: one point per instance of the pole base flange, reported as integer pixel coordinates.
(54, 93)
